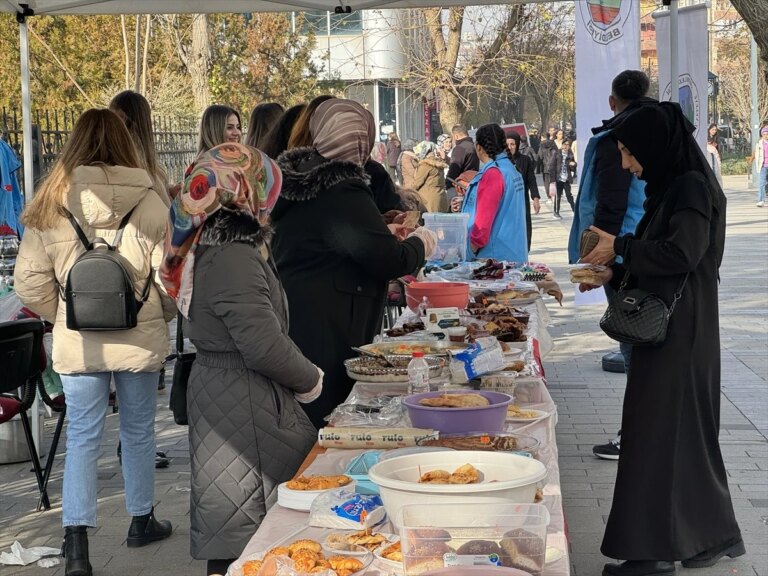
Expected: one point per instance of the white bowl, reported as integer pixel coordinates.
(504, 478)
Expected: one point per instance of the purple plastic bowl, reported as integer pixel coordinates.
(459, 420)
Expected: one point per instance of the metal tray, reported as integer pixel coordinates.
(365, 369)
(430, 347)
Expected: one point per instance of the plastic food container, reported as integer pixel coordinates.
(504, 478)
(475, 571)
(456, 420)
(451, 232)
(357, 469)
(439, 294)
(483, 537)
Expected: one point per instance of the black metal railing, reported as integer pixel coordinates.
(175, 140)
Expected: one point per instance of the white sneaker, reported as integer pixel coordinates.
(760, 204)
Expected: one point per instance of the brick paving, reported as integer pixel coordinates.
(589, 403)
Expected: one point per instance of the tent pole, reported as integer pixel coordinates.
(674, 52)
(755, 118)
(26, 110)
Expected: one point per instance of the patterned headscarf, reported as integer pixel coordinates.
(230, 175)
(342, 130)
(424, 149)
(441, 139)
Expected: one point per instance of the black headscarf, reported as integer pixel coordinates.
(661, 138)
(516, 137)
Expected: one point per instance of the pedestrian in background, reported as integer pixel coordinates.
(524, 165)
(564, 170)
(463, 156)
(407, 163)
(263, 118)
(429, 180)
(761, 165)
(393, 155)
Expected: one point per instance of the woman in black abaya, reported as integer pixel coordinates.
(671, 500)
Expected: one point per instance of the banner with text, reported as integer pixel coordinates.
(607, 42)
(693, 42)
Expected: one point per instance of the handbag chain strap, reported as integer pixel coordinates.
(681, 286)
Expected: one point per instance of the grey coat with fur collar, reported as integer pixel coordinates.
(247, 433)
(335, 256)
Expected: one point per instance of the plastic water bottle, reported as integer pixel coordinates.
(418, 374)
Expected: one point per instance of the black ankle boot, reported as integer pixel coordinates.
(146, 529)
(75, 551)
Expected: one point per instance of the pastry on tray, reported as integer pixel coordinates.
(318, 482)
(456, 401)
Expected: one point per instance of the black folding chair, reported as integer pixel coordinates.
(21, 358)
(58, 405)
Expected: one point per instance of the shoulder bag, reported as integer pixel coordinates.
(181, 371)
(636, 316)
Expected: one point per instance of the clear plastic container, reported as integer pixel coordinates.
(418, 374)
(441, 535)
(451, 232)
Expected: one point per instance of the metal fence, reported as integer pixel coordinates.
(175, 139)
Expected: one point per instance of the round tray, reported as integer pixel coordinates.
(369, 370)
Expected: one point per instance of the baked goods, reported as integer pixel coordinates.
(455, 401)
(366, 539)
(425, 556)
(479, 547)
(406, 328)
(516, 366)
(392, 552)
(486, 442)
(586, 275)
(305, 544)
(278, 551)
(252, 567)
(318, 482)
(465, 474)
(515, 411)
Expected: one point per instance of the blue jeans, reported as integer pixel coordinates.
(762, 184)
(87, 397)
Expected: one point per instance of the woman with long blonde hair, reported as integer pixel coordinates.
(134, 110)
(218, 125)
(97, 182)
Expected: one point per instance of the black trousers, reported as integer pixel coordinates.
(563, 187)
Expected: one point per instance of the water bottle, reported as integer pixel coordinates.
(418, 374)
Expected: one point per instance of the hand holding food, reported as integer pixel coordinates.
(602, 254)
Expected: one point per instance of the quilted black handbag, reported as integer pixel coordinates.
(638, 317)
(181, 371)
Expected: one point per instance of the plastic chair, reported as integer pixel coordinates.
(21, 345)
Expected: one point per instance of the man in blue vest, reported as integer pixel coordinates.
(610, 198)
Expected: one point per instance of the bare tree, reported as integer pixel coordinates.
(755, 14)
(126, 52)
(193, 45)
(734, 72)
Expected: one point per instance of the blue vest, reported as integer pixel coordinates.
(586, 202)
(509, 239)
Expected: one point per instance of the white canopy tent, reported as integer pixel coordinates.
(23, 10)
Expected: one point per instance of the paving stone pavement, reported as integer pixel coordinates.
(589, 404)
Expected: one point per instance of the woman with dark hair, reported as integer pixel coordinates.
(276, 142)
(218, 267)
(134, 110)
(332, 248)
(263, 118)
(219, 124)
(495, 201)
(712, 137)
(671, 500)
(525, 165)
(300, 135)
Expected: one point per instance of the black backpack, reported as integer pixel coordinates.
(99, 292)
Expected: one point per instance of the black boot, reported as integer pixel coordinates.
(146, 529)
(75, 551)
(640, 568)
(731, 548)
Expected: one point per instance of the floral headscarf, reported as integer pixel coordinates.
(230, 175)
(424, 149)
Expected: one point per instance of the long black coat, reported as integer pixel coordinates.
(334, 255)
(247, 433)
(671, 499)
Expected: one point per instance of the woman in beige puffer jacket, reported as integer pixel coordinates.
(99, 180)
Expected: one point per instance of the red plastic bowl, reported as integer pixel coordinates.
(439, 294)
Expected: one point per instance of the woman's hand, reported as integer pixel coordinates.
(399, 231)
(536, 206)
(606, 276)
(602, 254)
(394, 217)
(456, 204)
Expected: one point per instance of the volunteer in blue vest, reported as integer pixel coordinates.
(610, 198)
(495, 202)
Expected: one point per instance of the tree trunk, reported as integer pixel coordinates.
(126, 53)
(144, 63)
(200, 61)
(755, 14)
(137, 55)
(452, 110)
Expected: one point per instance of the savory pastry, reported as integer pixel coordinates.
(435, 477)
(340, 563)
(366, 539)
(516, 366)
(589, 276)
(278, 551)
(514, 411)
(539, 497)
(456, 401)
(466, 474)
(304, 560)
(251, 567)
(393, 552)
(318, 482)
(305, 544)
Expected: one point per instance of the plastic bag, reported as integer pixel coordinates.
(380, 411)
(484, 356)
(346, 510)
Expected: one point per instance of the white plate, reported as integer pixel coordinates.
(351, 550)
(392, 564)
(236, 569)
(540, 414)
(552, 555)
(301, 500)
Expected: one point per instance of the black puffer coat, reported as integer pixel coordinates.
(335, 256)
(247, 433)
